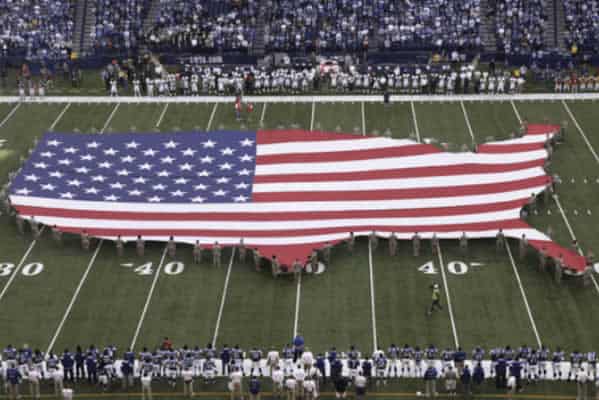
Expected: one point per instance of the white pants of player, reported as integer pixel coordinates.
(256, 365)
(288, 366)
(533, 371)
(418, 369)
(446, 365)
(406, 367)
(557, 370)
(394, 368)
(197, 367)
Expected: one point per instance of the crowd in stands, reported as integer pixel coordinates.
(582, 25)
(119, 24)
(351, 25)
(520, 25)
(38, 29)
(293, 365)
(204, 25)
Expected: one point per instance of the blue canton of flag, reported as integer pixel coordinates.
(148, 167)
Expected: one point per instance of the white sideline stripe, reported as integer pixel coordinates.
(64, 110)
(74, 298)
(223, 298)
(162, 115)
(298, 295)
(372, 302)
(516, 111)
(212, 114)
(363, 124)
(18, 268)
(10, 114)
(573, 236)
(528, 310)
(415, 121)
(475, 98)
(449, 306)
(116, 107)
(312, 115)
(468, 122)
(584, 136)
(148, 299)
(263, 114)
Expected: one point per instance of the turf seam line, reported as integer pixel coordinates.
(584, 136)
(516, 111)
(74, 297)
(64, 110)
(10, 114)
(263, 114)
(162, 114)
(363, 120)
(415, 121)
(298, 294)
(20, 265)
(312, 116)
(212, 114)
(467, 119)
(116, 107)
(148, 299)
(223, 298)
(372, 296)
(523, 293)
(449, 306)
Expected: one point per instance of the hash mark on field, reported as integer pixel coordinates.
(468, 122)
(223, 298)
(148, 299)
(298, 294)
(10, 114)
(74, 298)
(212, 116)
(528, 310)
(64, 110)
(449, 306)
(116, 107)
(415, 121)
(162, 114)
(372, 307)
(16, 271)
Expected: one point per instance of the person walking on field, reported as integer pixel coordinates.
(436, 300)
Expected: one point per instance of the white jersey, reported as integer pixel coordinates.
(272, 358)
(278, 376)
(187, 375)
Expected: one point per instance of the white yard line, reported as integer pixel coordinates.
(298, 295)
(449, 306)
(516, 111)
(415, 121)
(523, 293)
(19, 265)
(312, 117)
(162, 114)
(573, 236)
(64, 110)
(223, 298)
(372, 302)
(10, 114)
(74, 298)
(109, 119)
(212, 114)
(468, 122)
(263, 114)
(363, 122)
(584, 136)
(148, 299)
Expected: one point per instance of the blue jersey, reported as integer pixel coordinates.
(13, 376)
(237, 354)
(558, 356)
(447, 355)
(10, 353)
(418, 354)
(130, 357)
(406, 352)
(381, 362)
(255, 355)
(533, 358)
(592, 357)
(332, 356)
(478, 354)
(431, 353)
(353, 354)
(225, 355)
(393, 352)
(67, 360)
(523, 353)
(353, 363)
(576, 358)
(544, 354)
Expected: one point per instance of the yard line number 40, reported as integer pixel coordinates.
(454, 267)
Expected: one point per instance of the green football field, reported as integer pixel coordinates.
(60, 296)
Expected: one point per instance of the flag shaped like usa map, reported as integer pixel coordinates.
(283, 192)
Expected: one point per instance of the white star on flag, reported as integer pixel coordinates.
(32, 178)
(67, 195)
(54, 143)
(74, 182)
(112, 197)
(170, 145)
(47, 154)
(246, 142)
(110, 152)
(207, 160)
(189, 152)
(87, 157)
(209, 144)
(56, 174)
(105, 164)
(92, 190)
(48, 186)
(92, 145)
(227, 151)
(150, 152)
(82, 170)
(167, 160)
(198, 199)
(132, 145)
(24, 191)
(155, 199)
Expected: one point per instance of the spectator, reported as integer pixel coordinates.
(430, 380)
(451, 378)
(254, 388)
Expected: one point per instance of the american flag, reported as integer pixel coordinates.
(284, 192)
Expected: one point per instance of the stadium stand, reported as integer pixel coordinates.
(520, 25)
(36, 29)
(119, 24)
(204, 25)
(582, 24)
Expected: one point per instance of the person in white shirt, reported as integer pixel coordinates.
(581, 385)
(300, 375)
(146, 386)
(360, 382)
(290, 385)
(277, 381)
(187, 375)
(33, 376)
(235, 383)
(307, 359)
(272, 360)
(58, 379)
(310, 390)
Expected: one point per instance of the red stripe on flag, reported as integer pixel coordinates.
(509, 148)
(296, 135)
(350, 155)
(271, 216)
